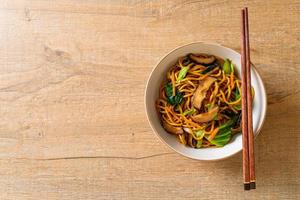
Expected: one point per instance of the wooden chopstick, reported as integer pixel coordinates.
(249, 106)
(247, 129)
(246, 172)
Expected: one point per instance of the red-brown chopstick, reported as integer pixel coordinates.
(247, 129)
(249, 106)
(246, 172)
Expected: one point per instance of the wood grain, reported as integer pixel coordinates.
(72, 79)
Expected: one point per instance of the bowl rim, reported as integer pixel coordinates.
(264, 111)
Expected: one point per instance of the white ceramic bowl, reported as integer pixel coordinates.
(152, 92)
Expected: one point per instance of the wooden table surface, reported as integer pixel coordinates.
(72, 80)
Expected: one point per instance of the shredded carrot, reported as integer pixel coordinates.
(192, 123)
(229, 103)
(211, 129)
(213, 134)
(168, 114)
(173, 83)
(172, 113)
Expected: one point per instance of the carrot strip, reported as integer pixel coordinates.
(213, 134)
(229, 103)
(173, 83)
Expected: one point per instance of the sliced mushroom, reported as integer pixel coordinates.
(188, 130)
(200, 92)
(206, 117)
(202, 58)
(190, 141)
(172, 129)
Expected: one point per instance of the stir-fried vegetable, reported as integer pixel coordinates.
(224, 133)
(182, 73)
(222, 138)
(199, 144)
(200, 134)
(210, 68)
(237, 96)
(173, 100)
(189, 112)
(200, 92)
(226, 66)
(201, 102)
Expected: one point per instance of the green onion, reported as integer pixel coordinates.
(189, 112)
(237, 95)
(169, 89)
(182, 73)
(173, 100)
(227, 66)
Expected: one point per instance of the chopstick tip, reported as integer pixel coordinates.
(246, 186)
(252, 185)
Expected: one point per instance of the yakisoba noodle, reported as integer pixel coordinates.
(200, 101)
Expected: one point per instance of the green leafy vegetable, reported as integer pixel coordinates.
(222, 138)
(224, 133)
(182, 73)
(227, 125)
(169, 89)
(173, 100)
(199, 144)
(226, 66)
(237, 107)
(189, 112)
(237, 95)
(200, 134)
(210, 68)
